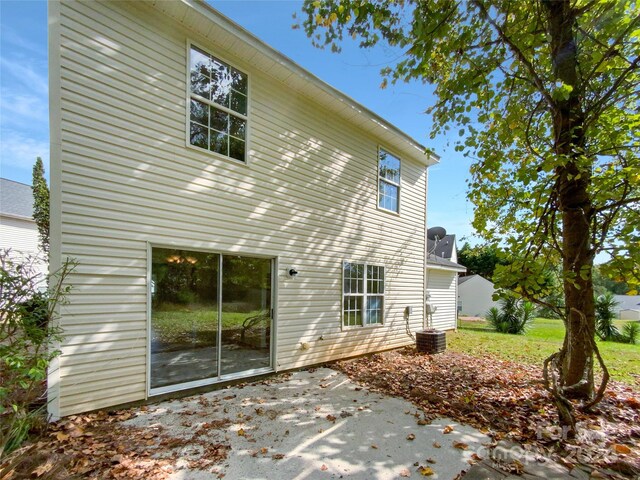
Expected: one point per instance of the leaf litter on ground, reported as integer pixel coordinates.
(507, 400)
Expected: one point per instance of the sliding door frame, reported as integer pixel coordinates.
(218, 378)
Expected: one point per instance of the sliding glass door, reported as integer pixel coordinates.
(210, 317)
(246, 314)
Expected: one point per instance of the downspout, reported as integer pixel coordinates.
(425, 292)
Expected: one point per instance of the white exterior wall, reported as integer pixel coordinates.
(475, 296)
(629, 314)
(20, 235)
(441, 291)
(123, 178)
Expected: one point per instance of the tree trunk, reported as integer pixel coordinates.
(575, 205)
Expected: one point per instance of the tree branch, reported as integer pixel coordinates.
(518, 53)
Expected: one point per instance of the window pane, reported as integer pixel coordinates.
(352, 312)
(239, 103)
(388, 196)
(199, 112)
(389, 167)
(237, 126)
(184, 316)
(246, 313)
(218, 142)
(200, 85)
(236, 149)
(200, 73)
(374, 310)
(375, 280)
(220, 83)
(219, 120)
(238, 81)
(200, 61)
(198, 136)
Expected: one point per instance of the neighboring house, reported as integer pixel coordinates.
(475, 295)
(442, 279)
(628, 307)
(232, 214)
(18, 229)
(444, 247)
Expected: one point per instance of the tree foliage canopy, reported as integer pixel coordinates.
(481, 259)
(496, 80)
(544, 96)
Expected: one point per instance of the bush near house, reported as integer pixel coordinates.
(27, 344)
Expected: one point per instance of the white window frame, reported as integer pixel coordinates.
(389, 182)
(191, 95)
(364, 295)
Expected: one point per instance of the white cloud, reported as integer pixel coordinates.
(32, 77)
(13, 38)
(18, 108)
(19, 152)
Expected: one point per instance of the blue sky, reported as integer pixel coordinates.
(24, 120)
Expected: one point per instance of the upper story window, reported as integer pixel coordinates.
(388, 181)
(218, 105)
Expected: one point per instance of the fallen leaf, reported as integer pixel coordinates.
(277, 456)
(405, 473)
(460, 445)
(436, 445)
(62, 436)
(447, 429)
(623, 449)
(425, 471)
(331, 418)
(41, 469)
(431, 460)
(422, 421)
(411, 436)
(324, 468)
(241, 432)
(375, 447)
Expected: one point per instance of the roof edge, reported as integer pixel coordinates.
(245, 35)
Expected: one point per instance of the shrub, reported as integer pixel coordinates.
(605, 314)
(514, 315)
(27, 343)
(631, 332)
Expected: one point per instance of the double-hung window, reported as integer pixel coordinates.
(363, 294)
(388, 181)
(217, 105)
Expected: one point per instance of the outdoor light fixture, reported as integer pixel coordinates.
(293, 272)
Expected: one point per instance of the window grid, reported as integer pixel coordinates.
(363, 294)
(218, 105)
(388, 181)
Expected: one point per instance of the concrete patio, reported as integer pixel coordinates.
(314, 424)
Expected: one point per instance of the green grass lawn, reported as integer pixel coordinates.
(544, 338)
(194, 323)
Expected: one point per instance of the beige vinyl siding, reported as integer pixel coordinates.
(441, 288)
(307, 196)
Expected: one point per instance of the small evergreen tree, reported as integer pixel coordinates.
(41, 204)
